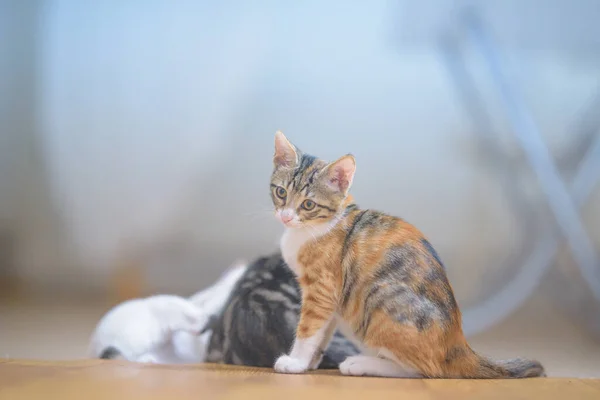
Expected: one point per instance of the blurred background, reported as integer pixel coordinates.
(136, 140)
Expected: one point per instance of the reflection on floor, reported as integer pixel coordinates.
(60, 330)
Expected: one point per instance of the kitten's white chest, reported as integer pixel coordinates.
(294, 238)
(291, 242)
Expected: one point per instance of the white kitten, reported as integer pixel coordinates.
(163, 329)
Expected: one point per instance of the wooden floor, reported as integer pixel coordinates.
(98, 379)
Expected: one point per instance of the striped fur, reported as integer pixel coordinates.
(259, 319)
(374, 273)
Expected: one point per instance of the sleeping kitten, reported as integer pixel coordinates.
(258, 322)
(163, 329)
(374, 275)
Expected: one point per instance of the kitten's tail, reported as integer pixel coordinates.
(473, 365)
(513, 368)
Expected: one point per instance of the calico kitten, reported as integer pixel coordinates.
(258, 321)
(374, 275)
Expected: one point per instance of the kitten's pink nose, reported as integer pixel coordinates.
(286, 215)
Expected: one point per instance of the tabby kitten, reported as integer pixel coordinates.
(259, 319)
(373, 275)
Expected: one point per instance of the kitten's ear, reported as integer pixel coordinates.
(340, 173)
(285, 152)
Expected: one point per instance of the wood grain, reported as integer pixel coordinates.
(99, 379)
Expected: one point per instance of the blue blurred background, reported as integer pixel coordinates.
(136, 140)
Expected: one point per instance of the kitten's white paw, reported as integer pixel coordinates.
(362, 365)
(148, 359)
(289, 365)
(353, 366)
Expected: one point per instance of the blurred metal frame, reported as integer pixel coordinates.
(564, 202)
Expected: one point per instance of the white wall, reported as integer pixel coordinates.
(157, 121)
(26, 213)
(16, 70)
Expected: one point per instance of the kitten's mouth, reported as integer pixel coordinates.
(286, 220)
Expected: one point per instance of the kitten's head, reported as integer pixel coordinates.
(306, 190)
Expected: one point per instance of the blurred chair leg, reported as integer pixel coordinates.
(500, 305)
(565, 203)
(527, 133)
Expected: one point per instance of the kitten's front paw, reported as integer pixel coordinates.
(289, 365)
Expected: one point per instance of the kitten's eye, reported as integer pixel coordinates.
(308, 205)
(281, 192)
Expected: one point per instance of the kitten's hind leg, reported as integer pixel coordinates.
(375, 366)
(186, 317)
